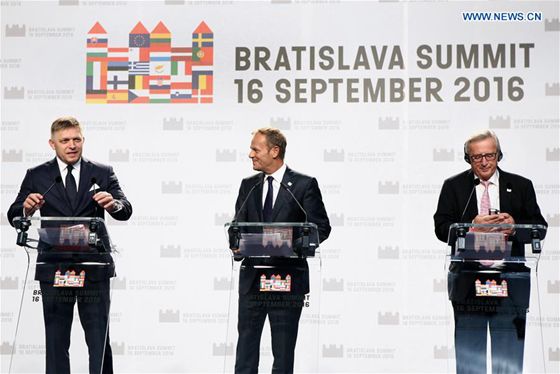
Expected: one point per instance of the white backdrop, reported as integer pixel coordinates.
(380, 163)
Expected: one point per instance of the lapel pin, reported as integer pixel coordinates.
(508, 189)
(290, 184)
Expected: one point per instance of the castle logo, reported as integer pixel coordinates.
(275, 283)
(69, 279)
(491, 289)
(149, 70)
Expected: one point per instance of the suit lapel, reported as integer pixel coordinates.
(505, 193)
(472, 210)
(283, 195)
(86, 172)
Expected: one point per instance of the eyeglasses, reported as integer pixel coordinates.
(487, 156)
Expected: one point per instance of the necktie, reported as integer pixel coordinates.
(267, 209)
(485, 210)
(71, 188)
(485, 201)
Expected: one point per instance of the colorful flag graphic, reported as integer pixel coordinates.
(150, 69)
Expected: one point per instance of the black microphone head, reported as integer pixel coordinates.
(476, 181)
(56, 181)
(93, 180)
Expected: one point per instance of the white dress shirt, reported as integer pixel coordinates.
(278, 175)
(63, 167)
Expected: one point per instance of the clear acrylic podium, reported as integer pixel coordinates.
(492, 280)
(281, 254)
(71, 252)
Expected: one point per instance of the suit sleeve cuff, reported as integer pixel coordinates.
(118, 206)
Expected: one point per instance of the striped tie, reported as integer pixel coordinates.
(485, 201)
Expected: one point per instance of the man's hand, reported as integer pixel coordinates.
(32, 203)
(486, 219)
(105, 200)
(506, 219)
(495, 219)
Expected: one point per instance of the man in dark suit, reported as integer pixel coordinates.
(80, 188)
(264, 197)
(485, 194)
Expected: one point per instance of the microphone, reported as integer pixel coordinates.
(93, 182)
(56, 181)
(24, 223)
(461, 231)
(304, 250)
(93, 240)
(296, 200)
(245, 201)
(476, 183)
(236, 234)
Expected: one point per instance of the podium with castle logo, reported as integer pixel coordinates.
(67, 256)
(275, 266)
(493, 286)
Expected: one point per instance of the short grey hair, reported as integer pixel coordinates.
(482, 135)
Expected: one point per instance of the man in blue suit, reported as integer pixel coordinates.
(266, 197)
(80, 188)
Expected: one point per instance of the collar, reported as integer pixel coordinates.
(494, 179)
(62, 165)
(278, 175)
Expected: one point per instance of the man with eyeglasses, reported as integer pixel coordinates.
(485, 194)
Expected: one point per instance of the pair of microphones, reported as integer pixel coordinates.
(236, 234)
(58, 180)
(258, 184)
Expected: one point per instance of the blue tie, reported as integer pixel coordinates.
(267, 210)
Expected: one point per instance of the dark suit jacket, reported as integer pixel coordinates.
(38, 180)
(306, 190)
(517, 197)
